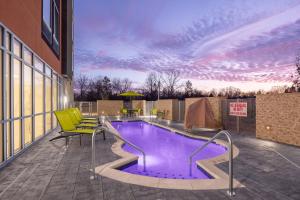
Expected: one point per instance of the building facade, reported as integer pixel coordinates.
(36, 69)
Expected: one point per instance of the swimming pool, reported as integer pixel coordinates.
(167, 152)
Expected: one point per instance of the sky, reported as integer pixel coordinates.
(248, 44)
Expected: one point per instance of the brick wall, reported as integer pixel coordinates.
(278, 118)
(109, 107)
(215, 103)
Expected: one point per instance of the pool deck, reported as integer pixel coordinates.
(49, 170)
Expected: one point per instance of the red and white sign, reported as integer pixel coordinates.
(238, 109)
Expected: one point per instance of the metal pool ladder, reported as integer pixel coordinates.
(230, 191)
(129, 143)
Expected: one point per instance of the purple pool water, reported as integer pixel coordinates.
(167, 153)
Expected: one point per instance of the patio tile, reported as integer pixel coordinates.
(49, 170)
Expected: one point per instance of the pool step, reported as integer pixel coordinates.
(161, 175)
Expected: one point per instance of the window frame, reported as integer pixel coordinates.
(49, 33)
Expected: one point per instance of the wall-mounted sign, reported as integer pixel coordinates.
(238, 109)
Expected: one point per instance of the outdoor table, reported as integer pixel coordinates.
(131, 111)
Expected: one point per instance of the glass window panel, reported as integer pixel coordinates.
(54, 121)
(48, 122)
(38, 64)
(47, 71)
(47, 12)
(39, 126)
(27, 56)
(27, 90)
(1, 93)
(8, 140)
(48, 94)
(8, 41)
(1, 143)
(1, 35)
(17, 48)
(28, 130)
(7, 81)
(39, 93)
(17, 136)
(1, 99)
(56, 24)
(54, 93)
(17, 88)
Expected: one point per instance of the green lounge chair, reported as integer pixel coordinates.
(86, 118)
(69, 129)
(78, 123)
(82, 119)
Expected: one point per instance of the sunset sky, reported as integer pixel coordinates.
(249, 44)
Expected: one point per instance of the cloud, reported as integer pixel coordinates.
(231, 45)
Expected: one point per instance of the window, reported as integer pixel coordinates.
(1, 36)
(8, 41)
(28, 130)
(27, 56)
(17, 88)
(17, 136)
(27, 90)
(7, 82)
(47, 71)
(17, 48)
(1, 99)
(39, 126)
(38, 64)
(54, 99)
(8, 140)
(39, 93)
(51, 23)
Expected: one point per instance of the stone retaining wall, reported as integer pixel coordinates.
(278, 117)
(109, 107)
(170, 107)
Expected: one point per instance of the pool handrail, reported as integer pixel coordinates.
(130, 144)
(230, 191)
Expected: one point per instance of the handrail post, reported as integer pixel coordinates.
(230, 191)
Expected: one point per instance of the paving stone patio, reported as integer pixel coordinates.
(49, 170)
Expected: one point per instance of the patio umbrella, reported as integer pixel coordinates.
(131, 94)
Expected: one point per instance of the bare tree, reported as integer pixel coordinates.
(188, 88)
(171, 82)
(82, 83)
(296, 75)
(126, 85)
(151, 83)
(230, 92)
(116, 86)
(121, 85)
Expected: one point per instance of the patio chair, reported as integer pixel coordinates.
(124, 112)
(78, 123)
(138, 112)
(70, 127)
(83, 119)
(154, 111)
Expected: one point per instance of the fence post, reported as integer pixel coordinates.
(238, 121)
